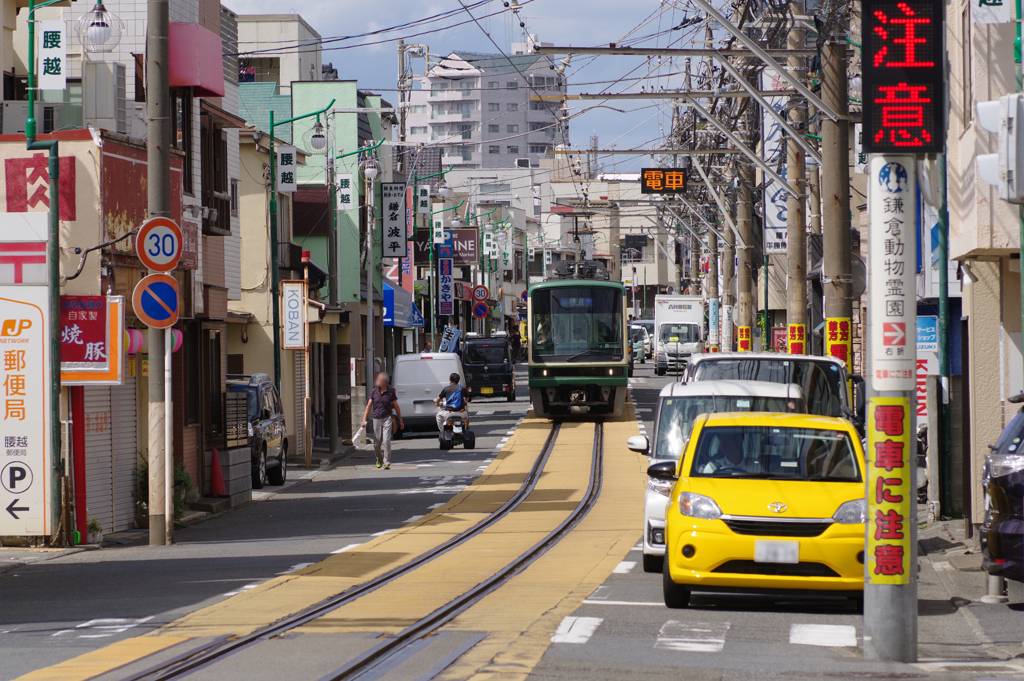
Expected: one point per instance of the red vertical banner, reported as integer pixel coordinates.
(408, 282)
(891, 499)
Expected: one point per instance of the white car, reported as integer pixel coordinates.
(418, 379)
(678, 405)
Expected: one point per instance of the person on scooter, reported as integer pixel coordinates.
(452, 400)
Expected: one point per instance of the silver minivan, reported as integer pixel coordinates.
(418, 379)
(678, 405)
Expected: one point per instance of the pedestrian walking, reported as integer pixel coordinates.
(383, 400)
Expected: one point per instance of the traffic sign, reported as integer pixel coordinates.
(158, 244)
(523, 296)
(480, 310)
(480, 293)
(156, 302)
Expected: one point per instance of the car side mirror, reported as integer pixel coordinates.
(663, 470)
(265, 414)
(639, 443)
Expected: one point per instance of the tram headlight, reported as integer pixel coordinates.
(544, 372)
(611, 372)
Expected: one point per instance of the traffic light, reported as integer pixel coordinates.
(1004, 169)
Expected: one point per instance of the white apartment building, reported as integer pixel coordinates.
(478, 107)
(268, 41)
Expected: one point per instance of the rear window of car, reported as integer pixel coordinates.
(420, 372)
(1010, 439)
(675, 420)
(492, 353)
(822, 383)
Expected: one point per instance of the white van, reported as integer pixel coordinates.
(418, 379)
(678, 405)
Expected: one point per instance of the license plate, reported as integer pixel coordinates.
(456, 429)
(486, 391)
(766, 551)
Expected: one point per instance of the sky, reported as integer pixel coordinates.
(562, 22)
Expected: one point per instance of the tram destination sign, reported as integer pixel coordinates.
(904, 83)
(662, 180)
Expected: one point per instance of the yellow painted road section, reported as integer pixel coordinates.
(409, 598)
(283, 596)
(522, 615)
(103, 660)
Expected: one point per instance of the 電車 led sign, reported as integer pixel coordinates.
(662, 180)
(904, 85)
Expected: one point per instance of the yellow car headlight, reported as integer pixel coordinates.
(852, 513)
(698, 506)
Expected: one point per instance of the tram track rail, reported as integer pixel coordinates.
(215, 651)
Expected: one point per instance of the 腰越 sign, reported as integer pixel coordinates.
(445, 288)
(423, 199)
(25, 452)
(892, 220)
(662, 180)
(395, 244)
(904, 84)
(53, 54)
(293, 315)
(990, 11)
(346, 192)
(287, 169)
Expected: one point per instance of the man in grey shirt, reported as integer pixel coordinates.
(382, 400)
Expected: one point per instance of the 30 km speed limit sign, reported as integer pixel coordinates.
(158, 244)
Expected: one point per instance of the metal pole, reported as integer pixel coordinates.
(796, 207)
(275, 270)
(369, 203)
(332, 293)
(837, 240)
(728, 272)
(890, 555)
(168, 434)
(713, 302)
(158, 111)
(945, 447)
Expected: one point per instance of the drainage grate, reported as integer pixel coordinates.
(978, 668)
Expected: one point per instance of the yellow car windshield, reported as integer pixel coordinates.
(775, 453)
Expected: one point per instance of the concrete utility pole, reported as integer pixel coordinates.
(335, 301)
(713, 311)
(796, 207)
(744, 267)
(158, 112)
(837, 241)
(728, 272)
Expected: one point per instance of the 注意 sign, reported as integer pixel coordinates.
(904, 83)
(890, 495)
(662, 180)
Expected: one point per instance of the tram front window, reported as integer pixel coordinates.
(577, 324)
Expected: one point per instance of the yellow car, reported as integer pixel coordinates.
(765, 502)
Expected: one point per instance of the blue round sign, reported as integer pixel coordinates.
(155, 301)
(480, 310)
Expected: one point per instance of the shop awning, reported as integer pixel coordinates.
(399, 309)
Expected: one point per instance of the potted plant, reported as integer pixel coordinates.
(95, 531)
(141, 494)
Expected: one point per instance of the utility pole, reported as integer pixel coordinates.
(335, 301)
(837, 240)
(728, 272)
(796, 207)
(713, 339)
(744, 267)
(158, 112)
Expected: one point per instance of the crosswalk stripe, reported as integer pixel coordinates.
(692, 637)
(829, 635)
(576, 629)
(624, 567)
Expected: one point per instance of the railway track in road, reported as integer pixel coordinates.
(182, 666)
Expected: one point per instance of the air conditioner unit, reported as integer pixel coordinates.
(104, 96)
(15, 114)
(522, 163)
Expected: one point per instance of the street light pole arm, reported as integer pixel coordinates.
(363, 149)
(445, 210)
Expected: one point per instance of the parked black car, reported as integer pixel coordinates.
(489, 366)
(1002, 534)
(267, 430)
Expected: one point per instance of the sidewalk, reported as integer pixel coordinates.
(951, 579)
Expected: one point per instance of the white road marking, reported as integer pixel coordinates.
(484, 413)
(576, 629)
(624, 567)
(346, 548)
(412, 519)
(642, 409)
(295, 568)
(828, 635)
(659, 604)
(638, 547)
(381, 534)
(438, 505)
(107, 625)
(692, 637)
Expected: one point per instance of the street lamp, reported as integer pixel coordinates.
(442, 188)
(99, 30)
(370, 168)
(316, 138)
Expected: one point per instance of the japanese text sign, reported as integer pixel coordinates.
(713, 324)
(53, 54)
(890, 495)
(287, 173)
(904, 84)
(25, 454)
(346, 192)
(662, 180)
(396, 244)
(445, 288)
(990, 11)
(776, 238)
(892, 219)
(839, 339)
(796, 339)
(423, 199)
(83, 331)
(743, 341)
